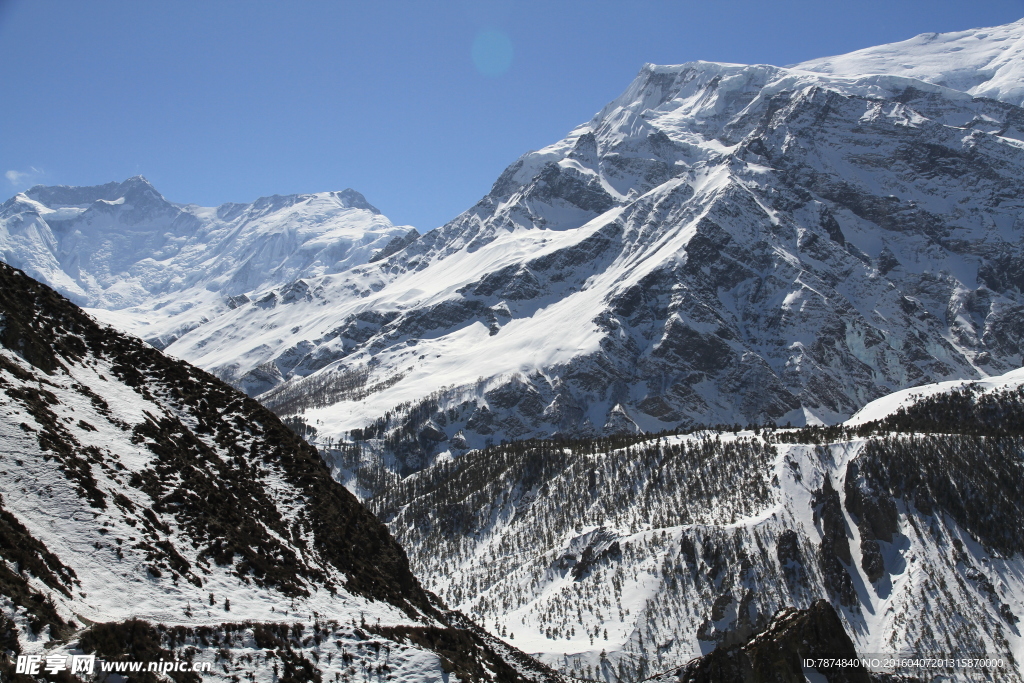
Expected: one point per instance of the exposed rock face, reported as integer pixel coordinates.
(777, 654)
(787, 551)
(720, 244)
(877, 520)
(834, 551)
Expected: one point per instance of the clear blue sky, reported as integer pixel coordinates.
(418, 105)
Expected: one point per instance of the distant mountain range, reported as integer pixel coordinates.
(159, 269)
(722, 245)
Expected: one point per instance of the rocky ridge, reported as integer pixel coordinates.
(623, 557)
(720, 244)
(150, 511)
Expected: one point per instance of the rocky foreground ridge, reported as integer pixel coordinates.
(150, 511)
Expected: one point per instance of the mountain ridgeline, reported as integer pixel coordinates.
(151, 511)
(720, 244)
(541, 399)
(158, 269)
(622, 557)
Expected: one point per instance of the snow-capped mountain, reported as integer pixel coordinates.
(624, 557)
(983, 62)
(720, 244)
(161, 268)
(150, 511)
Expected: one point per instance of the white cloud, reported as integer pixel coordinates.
(24, 179)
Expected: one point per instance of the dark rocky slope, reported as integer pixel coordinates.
(150, 510)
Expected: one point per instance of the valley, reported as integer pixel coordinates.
(726, 380)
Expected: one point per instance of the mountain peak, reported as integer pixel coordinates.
(137, 180)
(347, 198)
(137, 183)
(355, 200)
(984, 62)
(59, 196)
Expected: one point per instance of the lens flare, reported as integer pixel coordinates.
(492, 52)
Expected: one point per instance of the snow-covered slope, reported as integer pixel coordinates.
(984, 62)
(157, 269)
(888, 405)
(151, 511)
(625, 557)
(720, 244)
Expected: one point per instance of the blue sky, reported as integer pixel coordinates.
(418, 105)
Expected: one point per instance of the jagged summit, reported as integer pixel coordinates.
(346, 199)
(355, 200)
(959, 60)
